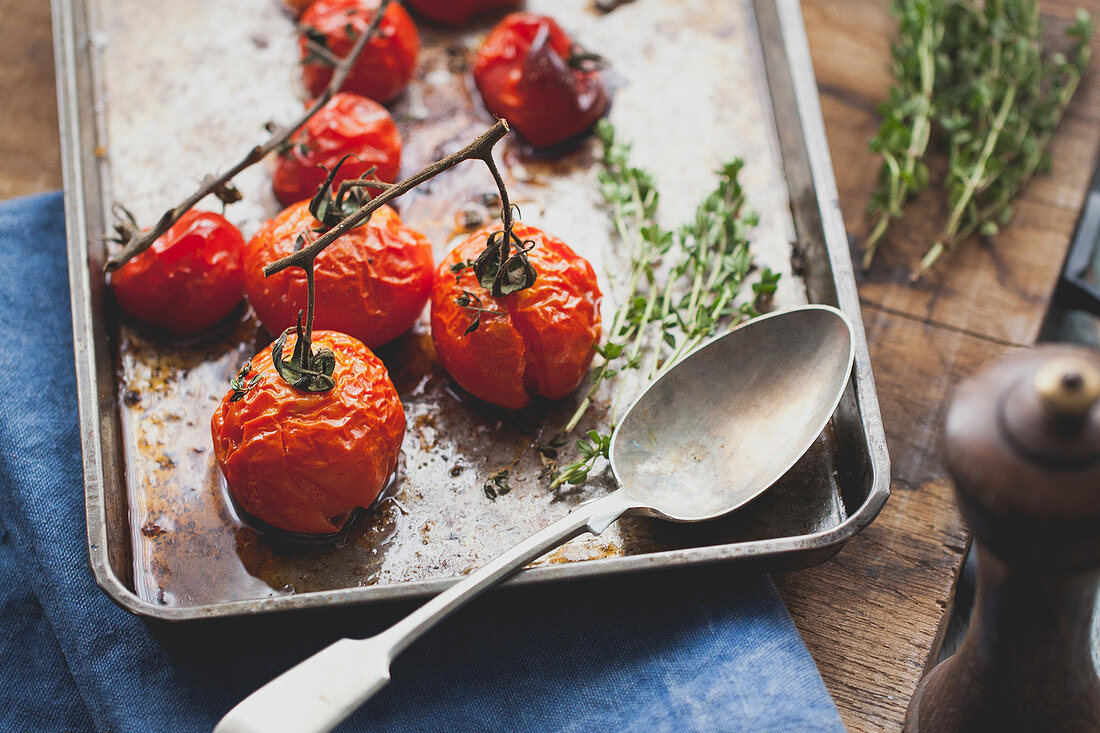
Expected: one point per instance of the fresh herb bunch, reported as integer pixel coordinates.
(682, 288)
(906, 115)
(995, 98)
(1010, 99)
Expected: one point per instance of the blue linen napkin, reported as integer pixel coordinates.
(704, 650)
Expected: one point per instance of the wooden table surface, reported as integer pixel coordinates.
(872, 617)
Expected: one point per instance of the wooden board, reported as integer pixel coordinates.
(30, 159)
(873, 615)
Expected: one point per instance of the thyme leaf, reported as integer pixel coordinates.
(240, 385)
(683, 285)
(497, 484)
(472, 303)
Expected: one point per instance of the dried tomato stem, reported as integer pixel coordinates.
(311, 299)
(348, 186)
(481, 149)
(322, 53)
(141, 241)
(505, 204)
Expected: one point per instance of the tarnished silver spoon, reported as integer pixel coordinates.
(703, 440)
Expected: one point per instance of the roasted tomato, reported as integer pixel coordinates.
(527, 73)
(347, 125)
(537, 341)
(300, 461)
(457, 12)
(386, 65)
(188, 280)
(372, 283)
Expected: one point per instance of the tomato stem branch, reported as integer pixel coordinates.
(312, 372)
(505, 204)
(139, 241)
(311, 299)
(480, 149)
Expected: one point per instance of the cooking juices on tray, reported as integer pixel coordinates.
(168, 543)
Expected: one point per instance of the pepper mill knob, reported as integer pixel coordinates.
(1023, 446)
(1068, 387)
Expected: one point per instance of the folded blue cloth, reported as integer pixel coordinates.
(704, 650)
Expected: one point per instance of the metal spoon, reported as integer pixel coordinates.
(706, 438)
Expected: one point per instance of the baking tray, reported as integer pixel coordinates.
(153, 95)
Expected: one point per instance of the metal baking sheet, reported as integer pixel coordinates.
(154, 95)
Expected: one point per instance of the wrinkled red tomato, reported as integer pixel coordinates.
(457, 12)
(300, 461)
(188, 280)
(386, 65)
(537, 341)
(348, 125)
(524, 74)
(372, 283)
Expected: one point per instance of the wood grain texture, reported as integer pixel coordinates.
(30, 160)
(871, 616)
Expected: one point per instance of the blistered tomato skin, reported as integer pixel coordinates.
(457, 12)
(386, 65)
(372, 283)
(348, 125)
(298, 460)
(188, 280)
(523, 74)
(539, 341)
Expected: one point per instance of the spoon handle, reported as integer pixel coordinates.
(317, 694)
(593, 516)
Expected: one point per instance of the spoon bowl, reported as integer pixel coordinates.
(714, 432)
(720, 428)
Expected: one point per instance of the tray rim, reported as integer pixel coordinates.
(75, 81)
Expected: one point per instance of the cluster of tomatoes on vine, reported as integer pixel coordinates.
(303, 440)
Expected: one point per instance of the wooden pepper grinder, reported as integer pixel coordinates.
(1023, 445)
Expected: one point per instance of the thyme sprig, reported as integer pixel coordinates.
(906, 115)
(632, 198)
(979, 75)
(240, 384)
(683, 287)
(135, 240)
(593, 446)
(1010, 99)
(473, 305)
